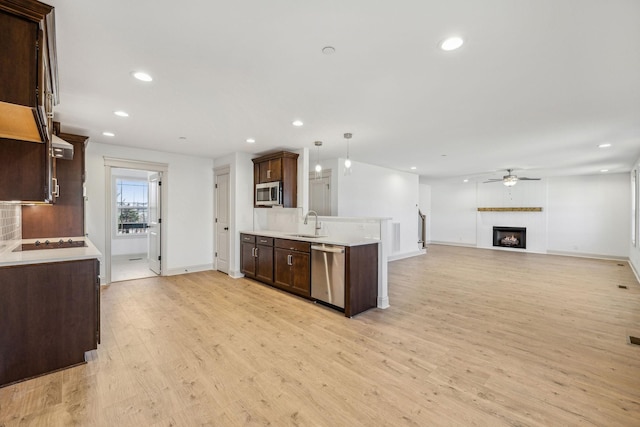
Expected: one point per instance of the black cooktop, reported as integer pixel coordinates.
(48, 244)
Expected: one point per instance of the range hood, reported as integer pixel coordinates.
(61, 149)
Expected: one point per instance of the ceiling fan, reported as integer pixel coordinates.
(510, 180)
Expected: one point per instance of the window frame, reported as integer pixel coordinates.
(116, 209)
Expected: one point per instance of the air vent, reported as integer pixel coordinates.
(634, 340)
(622, 286)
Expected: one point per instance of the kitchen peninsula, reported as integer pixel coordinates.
(49, 306)
(342, 273)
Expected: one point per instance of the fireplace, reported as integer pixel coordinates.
(510, 237)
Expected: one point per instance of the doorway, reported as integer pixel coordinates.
(221, 226)
(320, 193)
(134, 226)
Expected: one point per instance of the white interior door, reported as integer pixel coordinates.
(320, 194)
(154, 254)
(222, 222)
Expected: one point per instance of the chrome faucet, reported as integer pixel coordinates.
(306, 218)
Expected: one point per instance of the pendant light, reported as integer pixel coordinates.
(318, 165)
(347, 161)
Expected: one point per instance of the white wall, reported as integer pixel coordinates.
(582, 215)
(374, 191)
(590, 214)
(634, 251)
(453, 213)
(189, 214)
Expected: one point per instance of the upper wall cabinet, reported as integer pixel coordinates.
(66, 216)
(280, 166)
(28, 91)
(28, 70)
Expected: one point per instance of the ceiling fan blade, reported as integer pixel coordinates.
(529, 179)
(492, 180)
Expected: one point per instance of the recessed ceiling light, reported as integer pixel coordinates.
(251, 140)
(297, 123)
(328, 50)
(466, 180)
(121, 113)
(604, 170)
(452, 43)
(413, 168)
(605, 145)
(108, 134)
(142, 76)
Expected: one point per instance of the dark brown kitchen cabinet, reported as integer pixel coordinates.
(66, 217)
(256, 258)
(50, 316)
(28, 70)
(280, 166)
(292, 266)
(28, 91)
(361, 279)
(270, 170)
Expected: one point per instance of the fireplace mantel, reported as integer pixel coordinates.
(509, 209)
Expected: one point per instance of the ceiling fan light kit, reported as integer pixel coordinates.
(510, 180)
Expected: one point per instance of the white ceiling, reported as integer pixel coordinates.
(536, 87)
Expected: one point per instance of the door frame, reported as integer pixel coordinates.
(222, 170)
(110, 163)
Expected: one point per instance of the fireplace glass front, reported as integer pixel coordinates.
(510, 237)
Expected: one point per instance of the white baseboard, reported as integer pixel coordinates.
(235, 274)
(383, 302)
(586, 255)
(406, 255)
(466, 245)
(188, 269)
(633, 268)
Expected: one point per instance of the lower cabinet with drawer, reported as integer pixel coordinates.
(286, 264)
(292, 261)
(256, 258)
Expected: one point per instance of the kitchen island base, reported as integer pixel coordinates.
(49, 317)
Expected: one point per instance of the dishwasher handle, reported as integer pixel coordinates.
(332, 249)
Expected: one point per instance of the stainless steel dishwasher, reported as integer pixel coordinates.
(327, 273)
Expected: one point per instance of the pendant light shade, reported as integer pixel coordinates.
(318, 165)
(347, 161)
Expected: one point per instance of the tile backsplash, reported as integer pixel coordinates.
(10, 223)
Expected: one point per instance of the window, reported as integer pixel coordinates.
(635, 215)
(132, 206)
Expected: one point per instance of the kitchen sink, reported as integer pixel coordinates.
(306, 236)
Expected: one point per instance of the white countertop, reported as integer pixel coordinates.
(8, 257)
(330, 240)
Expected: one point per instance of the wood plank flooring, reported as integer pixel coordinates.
(472, 337)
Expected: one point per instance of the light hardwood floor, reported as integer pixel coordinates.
(472, 337)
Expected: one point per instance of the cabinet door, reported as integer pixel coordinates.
(264, 173)
(271, 170)
(282, 268)
(300, 273)
(23, 171)
(275, 167)
(264, 266)
(18, 72)
(247, 260)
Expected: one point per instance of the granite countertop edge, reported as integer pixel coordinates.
(329, 240)
(10, 258)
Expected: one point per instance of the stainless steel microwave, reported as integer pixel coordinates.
(269, 193)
